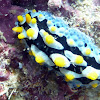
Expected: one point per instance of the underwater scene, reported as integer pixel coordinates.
(49, 49)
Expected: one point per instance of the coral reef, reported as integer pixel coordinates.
(23, 78)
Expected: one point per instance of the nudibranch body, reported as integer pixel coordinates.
(66, 50)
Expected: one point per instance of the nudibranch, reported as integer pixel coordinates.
(51, 42)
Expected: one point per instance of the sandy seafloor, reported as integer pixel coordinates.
(23, 79)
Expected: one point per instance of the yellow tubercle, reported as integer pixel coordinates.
(33, 20)
(78, 85)
(40, 15)
(20, 18)
(26, 10)
(17, 29)
(71, 42)
(59, 61)
(69, 76)
(28, 18)
(49, 39)
(21, 36)
(66, 79)
(33, 10)
(88, 51)
(60, 34)
(30, 53)
(53, 28)
(39, 59)
(79, 59)
(94, 85)
(92, 75)
(49, 22)
(30, 32)
(45, 33)
(33, 53)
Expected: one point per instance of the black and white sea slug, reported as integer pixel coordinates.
(66, 50)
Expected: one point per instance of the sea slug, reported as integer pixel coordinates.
(66, 50)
